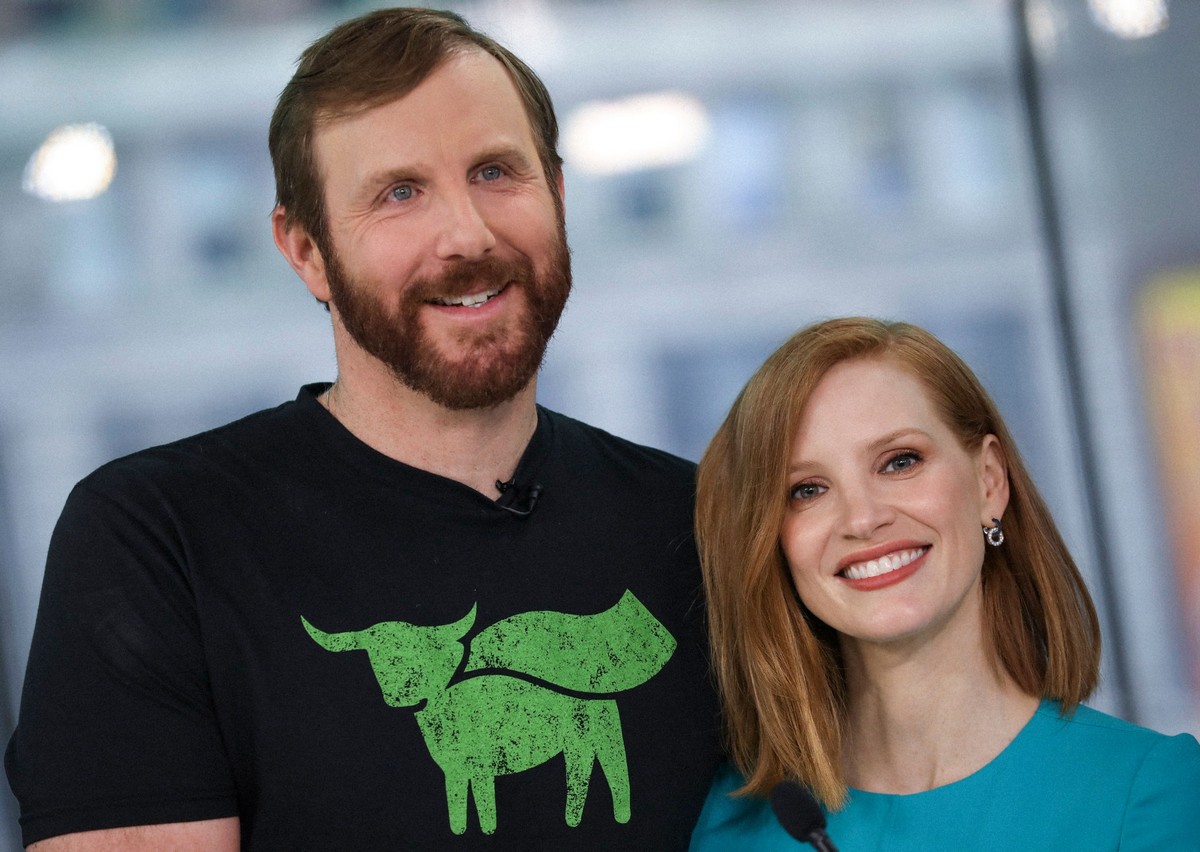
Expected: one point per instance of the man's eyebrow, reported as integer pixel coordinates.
(400, 174)
(506, 153)
(385, 177)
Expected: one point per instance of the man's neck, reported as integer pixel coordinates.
(476, 447)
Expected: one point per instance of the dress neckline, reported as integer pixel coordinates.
(1045, 708)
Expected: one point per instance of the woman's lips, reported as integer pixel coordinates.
(884, 570)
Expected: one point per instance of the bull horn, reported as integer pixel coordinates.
(348, 641)
(459, 628)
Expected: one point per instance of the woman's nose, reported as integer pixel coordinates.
(864, 511)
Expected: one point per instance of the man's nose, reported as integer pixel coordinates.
(464, 232)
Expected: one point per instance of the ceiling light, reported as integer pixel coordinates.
(640, 132)
(1130, 18)
(76, 162)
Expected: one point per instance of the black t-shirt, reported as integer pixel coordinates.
(274, 621)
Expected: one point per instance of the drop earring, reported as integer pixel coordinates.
(994, 535)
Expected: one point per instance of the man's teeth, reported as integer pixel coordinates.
(882, 565)
(468, 301)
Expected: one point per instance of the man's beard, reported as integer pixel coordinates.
(492, 367)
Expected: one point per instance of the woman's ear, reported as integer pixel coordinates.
(301, 252)
(993, 479)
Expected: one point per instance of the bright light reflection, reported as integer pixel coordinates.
(76, 162)
(1044, 28)
(641, 132)
(1130, 18)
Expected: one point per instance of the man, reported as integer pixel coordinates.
(412, 609)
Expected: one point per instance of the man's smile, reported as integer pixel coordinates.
(471, 301)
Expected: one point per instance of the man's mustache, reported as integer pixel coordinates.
(467, 277)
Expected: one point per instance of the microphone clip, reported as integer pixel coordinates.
(524, 499)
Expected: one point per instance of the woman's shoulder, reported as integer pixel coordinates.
(1142, 781)
(1106, 738)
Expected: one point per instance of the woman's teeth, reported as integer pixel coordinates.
(882, 565)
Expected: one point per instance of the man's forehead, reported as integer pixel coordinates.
(470, 61)
(468, 106)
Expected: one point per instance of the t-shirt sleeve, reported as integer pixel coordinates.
(1164, 799)
(117, 725)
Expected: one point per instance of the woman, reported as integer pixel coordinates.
(897, 624)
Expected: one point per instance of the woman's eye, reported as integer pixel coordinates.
(491, 173)
(902, 462)
(404, 192)
(807, 491)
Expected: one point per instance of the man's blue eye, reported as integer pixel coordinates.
(491, 173)
(402, 193)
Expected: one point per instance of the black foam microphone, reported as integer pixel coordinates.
(800, 815)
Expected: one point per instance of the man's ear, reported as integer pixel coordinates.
(561, 186)
(301, 253)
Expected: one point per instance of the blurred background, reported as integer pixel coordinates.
(1020, 177)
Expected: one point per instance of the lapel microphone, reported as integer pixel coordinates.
(523, 499)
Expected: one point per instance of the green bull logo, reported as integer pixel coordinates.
(493, 723)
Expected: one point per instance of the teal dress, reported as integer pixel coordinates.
(1088, 782)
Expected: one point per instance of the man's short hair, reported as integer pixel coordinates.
(367, 62)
